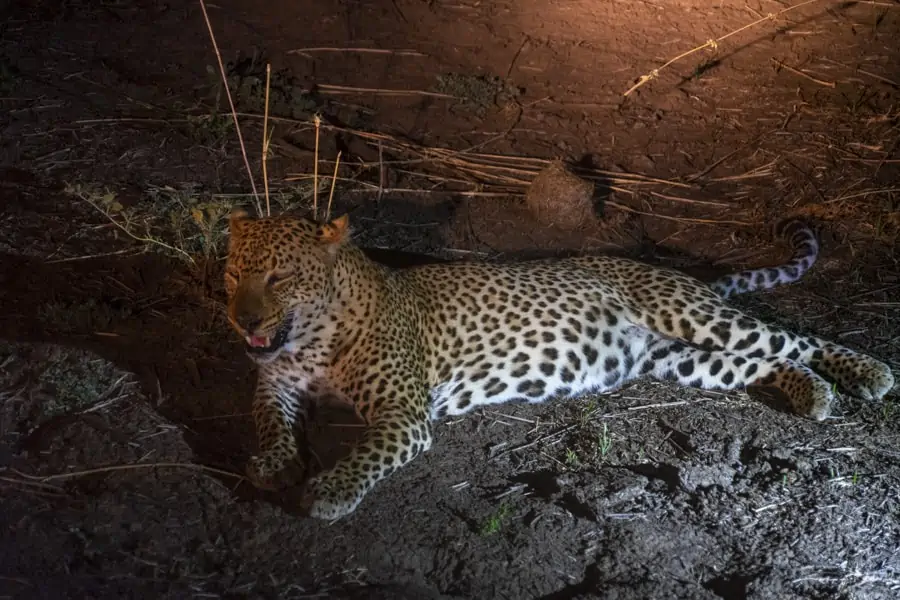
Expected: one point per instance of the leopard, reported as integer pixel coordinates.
(407, 347)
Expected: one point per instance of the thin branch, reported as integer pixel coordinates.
(318, 122)
(237, 127)
(265, 140)
(337, 163)
(802, 74)
(113, 468)
(712, 44)
(145, 240)
(344, 89)
(306, 51)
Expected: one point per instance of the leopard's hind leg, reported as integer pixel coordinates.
(704, 320)
(804, 391)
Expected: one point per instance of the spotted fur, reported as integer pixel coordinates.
(806, 250)
(408, 347)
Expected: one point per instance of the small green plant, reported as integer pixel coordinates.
(493, 524)
(572, 458)
(888, 409)
(604, 442)
(180, 223)
(587, 412)
(138, 225)
(210, 130)
(82, 315)
(75, 381)
(184, 223)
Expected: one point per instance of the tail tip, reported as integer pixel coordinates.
(790, 226)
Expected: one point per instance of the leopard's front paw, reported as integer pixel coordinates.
(268, 473)
(328, 497)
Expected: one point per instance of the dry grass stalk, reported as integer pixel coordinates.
(345, 89)
(496, 175)
(480, 163)
(234, 115)
(93, 256)
(117, 120)
(306, 51)
(689, 200)
(460, 193)
(337, 164)
(46, 487)
(863, 193)
(266, 139)
(656, 215)
(713, 43)
(318, 121)
(127, 467)
(382, 175)
(802, 74)
(366, 187)
(890, 82)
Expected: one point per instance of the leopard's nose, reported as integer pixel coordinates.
(249, 323)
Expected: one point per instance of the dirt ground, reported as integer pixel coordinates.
(124, 422)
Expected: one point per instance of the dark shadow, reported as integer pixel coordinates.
(588, 587)
(389, 591)
(542, 484)
(602, 185)
(151, 316)
(576, 507)
(730, 586)
(666, 473)
(773, 397)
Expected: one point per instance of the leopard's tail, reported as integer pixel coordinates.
(805, 247)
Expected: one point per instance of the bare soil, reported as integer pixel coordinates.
(124, 422)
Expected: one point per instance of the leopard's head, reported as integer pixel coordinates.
(278, 278)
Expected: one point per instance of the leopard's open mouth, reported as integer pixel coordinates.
(263, 344)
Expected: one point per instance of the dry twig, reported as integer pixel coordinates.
(266, 139)
(713, 43)
(128, 467)
(802, 74)
(234, 114)
(489, 175)
(346, 89)
(307, 51)
(337, 164)
(318, 121)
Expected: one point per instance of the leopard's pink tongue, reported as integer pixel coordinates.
(257, 341)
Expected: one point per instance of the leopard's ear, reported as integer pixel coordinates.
(334, 233)
(237, 219)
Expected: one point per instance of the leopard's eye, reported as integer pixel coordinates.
(277, 277)
(232, 275)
